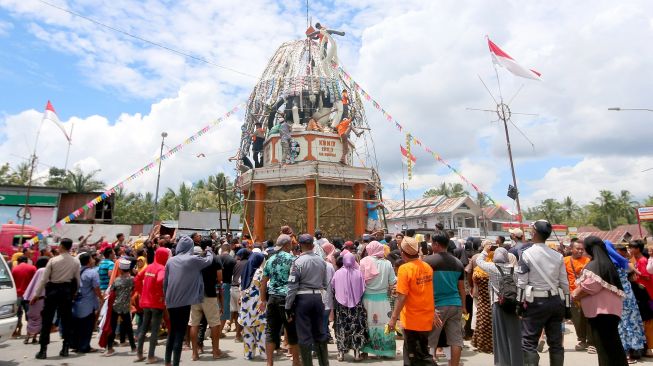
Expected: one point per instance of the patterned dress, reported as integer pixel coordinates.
(350, 326)
(251, 319)
(631, 330)
(482, 338)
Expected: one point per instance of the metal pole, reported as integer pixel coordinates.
(65, 165)
(158, 178)
(512, 165)
(29, 184)
(403, 185)
(639, 223)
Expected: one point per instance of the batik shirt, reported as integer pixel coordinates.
(123, 287)
(277, 269)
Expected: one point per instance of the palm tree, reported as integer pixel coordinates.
(78, 181)
(20, 175)
(607, 205)
(5, 173)
(178, 201)
(569, 208)
(626, 206)
(449, 190)
(551, 210)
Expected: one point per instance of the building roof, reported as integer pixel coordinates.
(423, 206)
(620, 233)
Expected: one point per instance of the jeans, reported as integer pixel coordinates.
(178, 322)
(126, 329)
(151, 322)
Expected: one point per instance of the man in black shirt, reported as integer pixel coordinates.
(210, 306)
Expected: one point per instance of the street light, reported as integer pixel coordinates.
(158, 177)
(617, 109)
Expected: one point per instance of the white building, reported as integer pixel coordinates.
(424, 213)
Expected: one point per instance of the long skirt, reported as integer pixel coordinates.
(378, 315)
(350, 325)
(34, 317)
(506, 337)
(631, 330)
(482, 338)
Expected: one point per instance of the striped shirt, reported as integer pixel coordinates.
(103, 270)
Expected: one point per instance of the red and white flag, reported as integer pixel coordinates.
(406, 155)
(503, 59)
(51, 115)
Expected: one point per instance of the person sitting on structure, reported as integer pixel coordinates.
(285, 136)
(257, 144)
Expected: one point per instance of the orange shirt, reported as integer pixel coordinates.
(415, 280)
(579, 264)
(343, 126)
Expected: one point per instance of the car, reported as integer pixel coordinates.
(8, 305)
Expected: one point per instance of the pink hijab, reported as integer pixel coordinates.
(368, 264)
(330, 250)
(348, 282)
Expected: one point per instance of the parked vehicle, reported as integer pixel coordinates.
(8, 297)
(10, 237)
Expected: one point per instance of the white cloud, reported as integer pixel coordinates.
(420, 60)
(5, 28)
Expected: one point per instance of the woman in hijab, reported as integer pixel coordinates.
(506, 326)
(601, 293)
(482, 338)
(141, 264)
(350, 323)
(252, 321)
(330, 251)
(631, 329)
(34, 312)
(379, 279)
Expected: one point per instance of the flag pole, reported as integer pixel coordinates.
(32, 163)
(65, 166)
(403, 188)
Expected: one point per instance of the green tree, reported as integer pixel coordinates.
(172, 202)
(5, 173)
(56, 178)
(78, 181)
(604, 210)
(133, 208)
(449, 190)
(20, 175)
(569, 209)
(626, 205)
(551, 210)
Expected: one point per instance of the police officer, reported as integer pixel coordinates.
(61, 281)
(307, 280)
(544, 292)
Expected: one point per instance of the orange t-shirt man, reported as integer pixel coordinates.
(574, 268)
(415, 280)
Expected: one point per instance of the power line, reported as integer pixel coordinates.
(162, 46)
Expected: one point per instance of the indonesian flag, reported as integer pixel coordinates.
(51, 115)
(503, 59)
(406, 155)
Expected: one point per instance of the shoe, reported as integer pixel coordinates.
(41, 355)
(64, 350)
(591, 350)
(341, 356)
(581, 346)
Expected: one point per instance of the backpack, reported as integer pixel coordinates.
(507, 293)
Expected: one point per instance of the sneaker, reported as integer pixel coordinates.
(591, 350)
(581, 346)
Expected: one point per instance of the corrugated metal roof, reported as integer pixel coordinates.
(450, 204)
(422, 206)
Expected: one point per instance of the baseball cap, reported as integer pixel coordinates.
(517, 232)
(410, 245)
(124, 264)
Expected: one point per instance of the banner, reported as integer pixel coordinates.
(409, 135)
(137, 174)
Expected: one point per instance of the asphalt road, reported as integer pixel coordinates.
(14, 352)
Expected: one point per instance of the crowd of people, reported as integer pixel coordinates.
(296, 295)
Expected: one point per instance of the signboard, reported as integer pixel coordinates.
(466, 232)
(41, 217)
(34, 200)
(645, 213)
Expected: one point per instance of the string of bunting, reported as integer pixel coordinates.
(97, 200)
(409, 136)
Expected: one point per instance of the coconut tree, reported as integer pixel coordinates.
(626, 206)
(449, 190)
(78, 181)
(569, 208)
(606, 204)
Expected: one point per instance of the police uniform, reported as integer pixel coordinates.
(544, 300)
(307, 281)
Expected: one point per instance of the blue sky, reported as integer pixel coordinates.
(421, 61)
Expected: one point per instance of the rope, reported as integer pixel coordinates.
(314, 196)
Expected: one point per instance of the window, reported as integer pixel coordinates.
(5, 276)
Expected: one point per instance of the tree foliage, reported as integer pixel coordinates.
(449, 190)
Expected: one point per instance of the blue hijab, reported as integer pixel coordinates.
(255, 260)
(616, 258)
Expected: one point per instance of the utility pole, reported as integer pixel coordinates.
(503, 111)
(158, 178)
